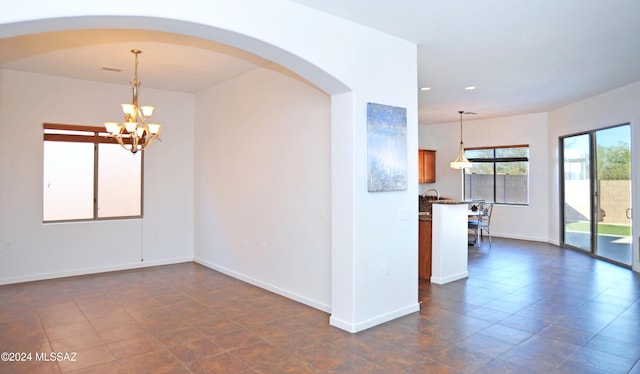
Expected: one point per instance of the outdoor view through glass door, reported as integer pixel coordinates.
(596, 193)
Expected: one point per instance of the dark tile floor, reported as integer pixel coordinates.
(526, 308)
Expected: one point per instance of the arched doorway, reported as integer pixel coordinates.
(341, 67)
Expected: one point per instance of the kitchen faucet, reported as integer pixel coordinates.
(432, 190)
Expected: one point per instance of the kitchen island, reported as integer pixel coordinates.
(449, 249)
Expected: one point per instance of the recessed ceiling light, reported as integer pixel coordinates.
(470, 88)
(425, 88)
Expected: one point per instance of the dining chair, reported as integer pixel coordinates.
(474, 218)
(482, 221)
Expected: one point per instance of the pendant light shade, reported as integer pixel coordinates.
(461, 161)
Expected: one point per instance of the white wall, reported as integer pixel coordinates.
(263, 178)
(355, 65)
(612, 108)
(40, 250)
(508, 220)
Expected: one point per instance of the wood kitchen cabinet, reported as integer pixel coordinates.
(426, 166)
(424, 249)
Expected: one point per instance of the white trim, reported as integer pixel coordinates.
(518, 237)
(450, 278)
(93, 270)
(269, 287)
(357, 327)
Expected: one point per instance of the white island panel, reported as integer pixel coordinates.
(450, 241)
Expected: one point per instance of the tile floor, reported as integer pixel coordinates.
(526, 308)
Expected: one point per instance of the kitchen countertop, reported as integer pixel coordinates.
(426, 217)
(449, 202)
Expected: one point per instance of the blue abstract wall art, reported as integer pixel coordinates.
(386, 148)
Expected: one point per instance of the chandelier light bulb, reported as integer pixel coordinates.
(112, 127)
(128, 109)
(154, 129)
(130, 126)
(147, 111)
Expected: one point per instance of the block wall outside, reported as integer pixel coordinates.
(510, 189)
(615, 199)
(615, 195)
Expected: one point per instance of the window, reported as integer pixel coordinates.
(88, 176)
(499, 174)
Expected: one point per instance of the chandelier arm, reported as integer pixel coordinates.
(145, 144)
(122, 143)
(136, 141)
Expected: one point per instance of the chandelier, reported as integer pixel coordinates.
(134, 134)
(461, 161)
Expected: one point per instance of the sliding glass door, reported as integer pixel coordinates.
(596, 193)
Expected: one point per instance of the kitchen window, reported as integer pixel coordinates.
(499, 174)
(88, 176)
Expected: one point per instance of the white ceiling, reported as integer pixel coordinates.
(168, 61)
(523, 56)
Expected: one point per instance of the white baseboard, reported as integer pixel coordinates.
(93, 270)
(258, 283)
(554, 242)
(523, 237)
(361, 326)
(449, 278)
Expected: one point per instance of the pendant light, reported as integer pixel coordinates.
(461, 161)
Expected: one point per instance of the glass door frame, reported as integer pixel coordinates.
(594, 193)
(592, 201)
